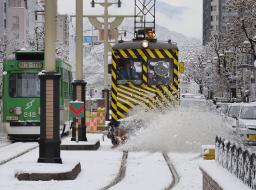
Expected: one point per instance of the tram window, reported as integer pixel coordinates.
(159, 73)
(24, 85)
(129, 71)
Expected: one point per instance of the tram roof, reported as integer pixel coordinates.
(138, 44)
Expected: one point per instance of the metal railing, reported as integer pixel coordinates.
(237, 160)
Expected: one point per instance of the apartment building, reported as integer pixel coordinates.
(215, 18)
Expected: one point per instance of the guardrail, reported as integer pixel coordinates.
(237, 160)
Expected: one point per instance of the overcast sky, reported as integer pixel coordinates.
(183, 16)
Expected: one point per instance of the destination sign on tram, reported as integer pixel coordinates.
(30, 65)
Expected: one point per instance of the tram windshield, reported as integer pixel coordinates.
(159, 73)
(129, 71)
(24, 85)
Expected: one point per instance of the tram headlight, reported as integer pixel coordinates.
(18, 110)
(144, 44)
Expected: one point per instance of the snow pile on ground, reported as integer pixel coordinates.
(183, 130)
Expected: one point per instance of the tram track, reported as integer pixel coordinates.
(15, 150)
(175, 176)
(121, 174)
(122, 171)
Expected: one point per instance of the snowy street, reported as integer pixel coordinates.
(145, 170)
(127, 95)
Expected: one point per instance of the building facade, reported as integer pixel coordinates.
(215, 18)
(206, 21)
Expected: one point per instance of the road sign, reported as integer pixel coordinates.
(90, 39)
(181, 67)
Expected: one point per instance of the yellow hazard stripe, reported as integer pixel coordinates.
(142, 54)
(135, 91)
(176, 81)
(114, 54)
(162, 96)
(114, 116)
(150, 53)
(140, 89)
(148, 94)
(132, 54)
(171, 57)
(126, 102)
(145, 68)
(139, 98)
(123, 53)
(148, 88)
(145, 78)
(114, 106)
(120, 114)
(136, 101)
(114, 86)
(114, 96)
(122, 107)
(113, 74)
(175, 72)
(159, 54)
(169, 93)
(114, 63)
(174, 88)
(140, 93)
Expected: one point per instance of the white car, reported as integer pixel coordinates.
(246, 123)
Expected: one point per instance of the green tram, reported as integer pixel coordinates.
(144, 73)
(21, 94)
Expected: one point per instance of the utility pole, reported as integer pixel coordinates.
(79, 85)
(97, 24)
(49, 143)
(106, 5)
(106, 50)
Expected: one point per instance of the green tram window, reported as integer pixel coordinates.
(24, 85)
(160, 73)
(129, 71)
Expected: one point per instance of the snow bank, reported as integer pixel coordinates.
(223, 178)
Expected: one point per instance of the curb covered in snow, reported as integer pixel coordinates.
(49, 174)
(217, 177)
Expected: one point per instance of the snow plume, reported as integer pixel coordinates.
(183, 130)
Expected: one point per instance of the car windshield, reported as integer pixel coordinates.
(234, 111)
(248, 113)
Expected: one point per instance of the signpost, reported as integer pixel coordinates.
(90, 39)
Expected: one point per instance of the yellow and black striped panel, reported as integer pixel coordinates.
(125, 97)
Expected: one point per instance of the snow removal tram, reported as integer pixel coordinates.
(21, 94)
(144, 71)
